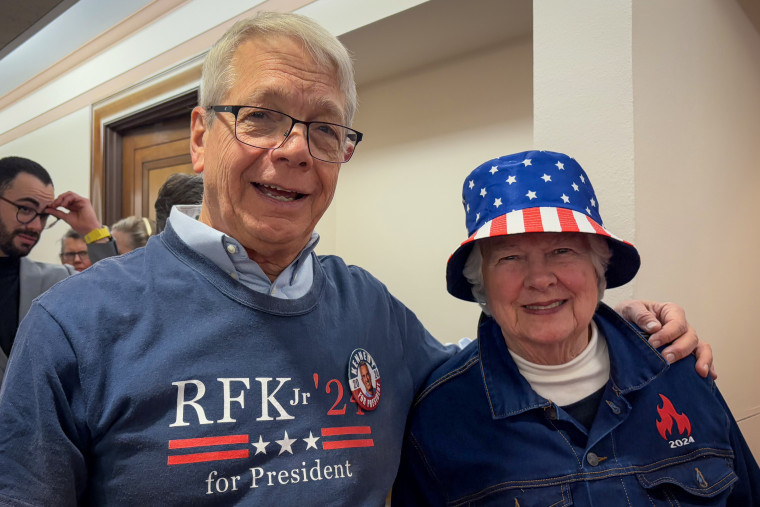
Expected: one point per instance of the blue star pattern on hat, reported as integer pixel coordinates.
(532, 192)
(531, 180)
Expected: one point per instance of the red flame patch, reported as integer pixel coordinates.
(668, 416)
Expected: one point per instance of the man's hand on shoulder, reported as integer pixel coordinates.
(666, 322)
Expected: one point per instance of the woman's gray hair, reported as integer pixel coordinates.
(138, 229)
(219, 75)
(600, 259)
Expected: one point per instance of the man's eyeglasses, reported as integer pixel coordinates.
(70, 256)
(268, 129)
(26, 215)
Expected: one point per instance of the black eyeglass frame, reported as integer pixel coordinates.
(293, 122)
(73, 255)
(43, 216)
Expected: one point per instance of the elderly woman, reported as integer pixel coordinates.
(132, 232)
(560, 401)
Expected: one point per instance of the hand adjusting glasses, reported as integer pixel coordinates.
(26, 215)
(268, 129)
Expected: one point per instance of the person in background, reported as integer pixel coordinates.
(179, 188)
(560, 401)
(74, 251)
(132, 232)
(213, 365)
(27, 201)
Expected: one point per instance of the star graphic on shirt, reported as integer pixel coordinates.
(588, 211)
(483, 192)
(526, 162)
(472, 184)
(477, 216)
(575, 187)
(593, 203)
(546, 178)
(560, 166)
(286, 443)
(494, 170)
(530, 195)
(261, 446)
(497, 202)
(511, 179)
(468, 207)
(583, 180)
(311, 441)
(565, 199)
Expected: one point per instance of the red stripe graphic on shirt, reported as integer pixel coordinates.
(347, 431)
(203, 442)
(190, 443)
(207, 456)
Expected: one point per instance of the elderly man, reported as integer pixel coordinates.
(74, 251)
(217, 364)
(27, 200)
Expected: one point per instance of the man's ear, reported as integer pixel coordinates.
(198, 138)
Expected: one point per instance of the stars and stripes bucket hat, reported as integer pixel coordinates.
(533, 191)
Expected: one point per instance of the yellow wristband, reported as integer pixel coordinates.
(97, 234)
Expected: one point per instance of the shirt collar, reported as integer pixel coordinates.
(633, 364)
(230, 255)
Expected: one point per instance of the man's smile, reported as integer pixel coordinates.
(278, 193)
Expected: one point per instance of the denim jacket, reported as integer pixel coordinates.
(479, 435)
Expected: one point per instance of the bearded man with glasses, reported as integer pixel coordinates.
(27, 207)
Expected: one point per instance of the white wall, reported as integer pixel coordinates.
(398, 210)
(63, 148)
(697, 97)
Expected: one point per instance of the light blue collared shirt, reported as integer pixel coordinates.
(227, 253)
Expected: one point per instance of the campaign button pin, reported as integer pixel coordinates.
(364, 379)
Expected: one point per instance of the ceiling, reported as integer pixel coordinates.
(21, 19)
(424, 34)
(35, 34)
(434, 31)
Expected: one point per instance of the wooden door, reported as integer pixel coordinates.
(150, 154)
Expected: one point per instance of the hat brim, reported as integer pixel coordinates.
(623, 266)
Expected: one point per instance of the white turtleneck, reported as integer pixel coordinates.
(570, 382)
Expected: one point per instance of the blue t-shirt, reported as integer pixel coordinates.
(156, 378)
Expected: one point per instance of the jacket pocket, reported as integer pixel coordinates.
(710, 477)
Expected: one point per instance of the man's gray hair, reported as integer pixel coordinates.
(473, 268)
(71, 233)
(219, 74)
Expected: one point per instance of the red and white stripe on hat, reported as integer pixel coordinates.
(544, 219)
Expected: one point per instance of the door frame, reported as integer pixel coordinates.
(163, 96)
